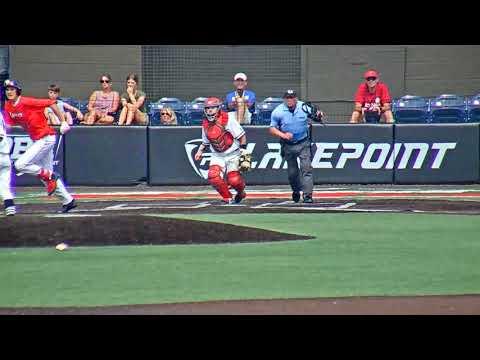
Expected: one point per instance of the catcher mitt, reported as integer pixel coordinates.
(245, 162)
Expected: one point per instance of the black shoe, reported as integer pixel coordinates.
(296, 196)
(71, 205)
(239, 197)
(307, 198)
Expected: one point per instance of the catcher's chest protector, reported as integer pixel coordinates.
(220, 139)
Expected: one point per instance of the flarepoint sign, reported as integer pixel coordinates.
(373, 156)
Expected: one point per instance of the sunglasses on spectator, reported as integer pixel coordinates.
(165, 113)
(104, 81)
(371, 78)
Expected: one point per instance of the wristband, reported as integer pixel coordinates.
(243, 146)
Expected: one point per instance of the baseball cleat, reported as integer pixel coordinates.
(296, 196)
(52, 184)
(71, 205)
(307, 198)
(10, 211)
(228, 201)
(239, 197)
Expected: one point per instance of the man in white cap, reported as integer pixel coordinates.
(240, 103)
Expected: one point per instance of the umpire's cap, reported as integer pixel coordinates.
(290, 93)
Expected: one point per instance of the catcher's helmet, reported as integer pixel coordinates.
(212, 102)
(370, 73)
(14, 84)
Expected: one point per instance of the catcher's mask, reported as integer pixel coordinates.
(212, 108)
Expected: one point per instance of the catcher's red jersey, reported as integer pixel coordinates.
(216, 133)
(28, 113)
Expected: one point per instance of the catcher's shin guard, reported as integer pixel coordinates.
(235, 180)
(215, 179)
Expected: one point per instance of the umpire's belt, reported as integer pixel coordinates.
(294, 142)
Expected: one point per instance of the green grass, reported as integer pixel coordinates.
(351, 255)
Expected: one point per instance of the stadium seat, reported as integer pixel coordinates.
(264, 110)
(83, 106)
(372, 117)
(411, 109)
(194, 111)
(73, 102)
(177, 105)
(473, 108)
(448, 109)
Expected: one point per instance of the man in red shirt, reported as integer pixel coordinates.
(28, 113)
(372, 100)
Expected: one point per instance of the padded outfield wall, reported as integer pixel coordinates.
(364, 154)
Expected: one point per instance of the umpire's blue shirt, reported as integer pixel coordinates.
(286, 121)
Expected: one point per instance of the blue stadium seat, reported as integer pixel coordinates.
(372, 117)
(72, 102)
(69, 101)
(264, 110)
(177, 105)
(194, 111)
(473, 108)
(83, 106)
(448, 109)
(410, 109)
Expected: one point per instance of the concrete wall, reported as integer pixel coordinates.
(76, 69)
(327, 72)
(443, 69)
(332, 73)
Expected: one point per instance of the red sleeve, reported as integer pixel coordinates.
(385, 95)
(38, 103)
(7, 118)
(359, 95)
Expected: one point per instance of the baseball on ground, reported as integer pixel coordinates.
(61, 247)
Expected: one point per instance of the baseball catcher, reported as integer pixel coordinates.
(228, 143)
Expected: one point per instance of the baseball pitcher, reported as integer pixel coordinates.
(5, 170)
(28, 113)
(228, 143)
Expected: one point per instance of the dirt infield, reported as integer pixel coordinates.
(417, 305)
(124, 229)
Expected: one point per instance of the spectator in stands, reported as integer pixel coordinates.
(240, 102)
(168, 116)
(372, 100)
(133, 102)
(102, 104)
(54, 93)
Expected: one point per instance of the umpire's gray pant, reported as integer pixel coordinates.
(299, 179)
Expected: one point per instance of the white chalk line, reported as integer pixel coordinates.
(123, 207)
(297, 207)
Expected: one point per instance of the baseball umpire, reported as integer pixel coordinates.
(291, 124)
